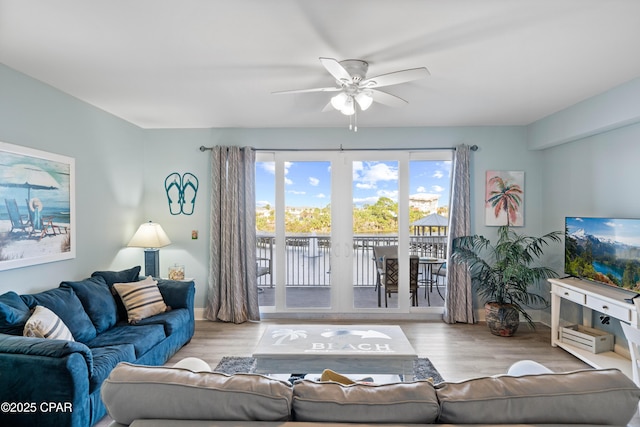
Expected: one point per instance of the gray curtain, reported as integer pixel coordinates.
(458, 305)
(232, 291)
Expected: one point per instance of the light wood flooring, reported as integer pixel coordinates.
(458, 351)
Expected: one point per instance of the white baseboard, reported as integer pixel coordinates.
(199, 315)
(430, 316)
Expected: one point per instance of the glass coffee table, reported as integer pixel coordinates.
(347, 349)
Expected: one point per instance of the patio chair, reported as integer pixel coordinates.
(379, 255)
(18, 222)
(437, 273)
(390, 278)
(263, 270)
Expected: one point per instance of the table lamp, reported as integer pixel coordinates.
(150, 236)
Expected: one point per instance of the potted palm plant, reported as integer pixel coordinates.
(504, 273)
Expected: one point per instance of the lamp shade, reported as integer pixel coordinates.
(149, 235)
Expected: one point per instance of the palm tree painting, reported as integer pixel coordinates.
(504, 199)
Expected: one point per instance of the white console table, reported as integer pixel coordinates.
(609, 301)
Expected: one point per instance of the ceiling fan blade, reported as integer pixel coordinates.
(317, 89)
(387, 99)
(396, 77)
(336, 70)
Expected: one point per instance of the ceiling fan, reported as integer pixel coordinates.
(355, 90)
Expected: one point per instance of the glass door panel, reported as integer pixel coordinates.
(307, 225)
(429, 183)
(265, 230)
(375, 224)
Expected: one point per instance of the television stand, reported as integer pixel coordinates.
(609, 301)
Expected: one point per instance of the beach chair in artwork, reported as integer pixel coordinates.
(18, 222)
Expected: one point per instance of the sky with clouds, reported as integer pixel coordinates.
(308, 183)
(621, 230)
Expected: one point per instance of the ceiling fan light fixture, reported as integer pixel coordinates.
(364, 100)
(349, 108)
(355, 88)
(338, 102)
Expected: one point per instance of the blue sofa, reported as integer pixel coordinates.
(52, 382)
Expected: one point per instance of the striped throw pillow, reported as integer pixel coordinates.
(142, 299)
(44, 323)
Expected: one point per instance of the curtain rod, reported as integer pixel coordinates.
(472, 148)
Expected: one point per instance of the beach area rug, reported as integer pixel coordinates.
(423, 368)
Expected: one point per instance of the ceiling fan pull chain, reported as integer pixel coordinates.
(355, 117)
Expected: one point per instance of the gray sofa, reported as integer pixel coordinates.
(142, 396)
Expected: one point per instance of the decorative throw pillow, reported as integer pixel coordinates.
(142, 299)
(14, 313)
(111, 277)
(44, 323)
(97, 300)
(67, 306)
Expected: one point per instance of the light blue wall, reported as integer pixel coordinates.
(109, 175)
(593, 176)
(610, 110)
(167, 151)
(590, 153)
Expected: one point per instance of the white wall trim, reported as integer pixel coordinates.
(610, 110)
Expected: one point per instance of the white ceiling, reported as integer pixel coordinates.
(214, 63)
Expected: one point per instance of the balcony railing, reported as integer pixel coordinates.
(308, 260)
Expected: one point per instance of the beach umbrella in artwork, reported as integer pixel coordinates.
(32, 178)
(27, 176)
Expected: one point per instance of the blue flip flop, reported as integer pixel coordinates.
(189, 184)
(175, 196)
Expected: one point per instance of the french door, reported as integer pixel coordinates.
(319, 214)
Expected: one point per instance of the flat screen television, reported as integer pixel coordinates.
(605, 250)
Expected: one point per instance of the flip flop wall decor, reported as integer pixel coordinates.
(181, 192)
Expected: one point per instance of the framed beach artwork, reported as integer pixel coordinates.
(37, 207)
(504, 198)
